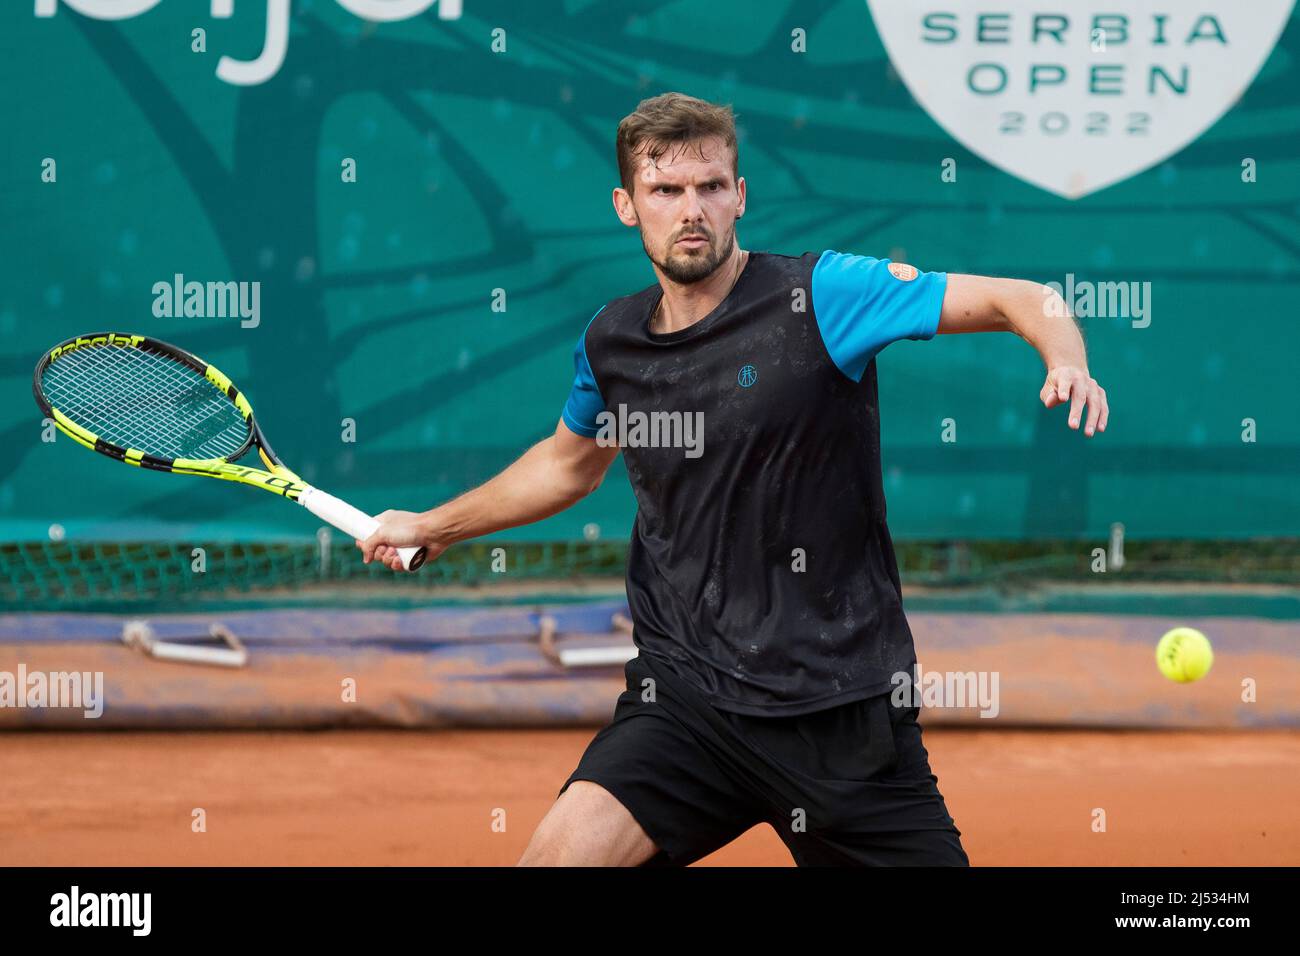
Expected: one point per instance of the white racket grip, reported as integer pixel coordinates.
(351, 521)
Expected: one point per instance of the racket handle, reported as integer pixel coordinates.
(350, 521)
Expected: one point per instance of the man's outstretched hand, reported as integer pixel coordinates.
(1066, 383)
(398, 529)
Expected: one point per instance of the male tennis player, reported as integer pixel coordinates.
(761, 576)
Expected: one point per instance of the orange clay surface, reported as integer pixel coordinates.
(430, 798)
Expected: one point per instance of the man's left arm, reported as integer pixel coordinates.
(1038, 315)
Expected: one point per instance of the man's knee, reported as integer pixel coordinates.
(588, 827)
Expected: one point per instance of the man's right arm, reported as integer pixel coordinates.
(552, 475)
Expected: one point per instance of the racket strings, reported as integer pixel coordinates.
(142, 399)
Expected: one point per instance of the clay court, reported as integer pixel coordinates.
(464, 727)
(418, 798)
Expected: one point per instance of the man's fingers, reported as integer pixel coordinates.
(1076, 405)
(1081, 390)
(373, 550)
(1094, 409)
(370, 548)
(382, 545)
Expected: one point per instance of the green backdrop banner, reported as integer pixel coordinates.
(431, 306)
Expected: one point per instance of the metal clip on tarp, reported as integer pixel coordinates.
(606, 656)
(139, 635)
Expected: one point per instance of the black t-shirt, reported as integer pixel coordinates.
(760, 568)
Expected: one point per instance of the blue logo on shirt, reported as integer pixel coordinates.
(747, 377)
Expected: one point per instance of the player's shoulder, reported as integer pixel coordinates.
(622, 313)
(834, 269)
(834, 262)
(778, 266)
(829, 267)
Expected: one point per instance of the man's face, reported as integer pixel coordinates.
(686, 209)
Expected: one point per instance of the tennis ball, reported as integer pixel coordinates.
(1184, 655)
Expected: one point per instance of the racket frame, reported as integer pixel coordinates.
(276, 478)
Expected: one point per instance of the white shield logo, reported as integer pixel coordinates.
(1074, 97)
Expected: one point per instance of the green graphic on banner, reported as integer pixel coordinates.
(392, 242)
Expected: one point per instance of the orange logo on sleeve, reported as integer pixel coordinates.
(902, 271)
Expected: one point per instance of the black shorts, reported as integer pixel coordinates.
(847, 786)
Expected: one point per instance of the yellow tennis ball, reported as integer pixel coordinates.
(1184, 655)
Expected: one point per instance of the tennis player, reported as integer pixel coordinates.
(761, 576)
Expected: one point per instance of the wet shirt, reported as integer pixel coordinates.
(760, 567)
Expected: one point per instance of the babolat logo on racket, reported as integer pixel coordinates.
(111, 338)
(285, 486)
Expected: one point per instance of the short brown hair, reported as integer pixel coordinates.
(672, 118)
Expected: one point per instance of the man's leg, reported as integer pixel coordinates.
(903, 848)
(588, 827)
(651, 788)
(869, 797)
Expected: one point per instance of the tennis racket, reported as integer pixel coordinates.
(155, 406)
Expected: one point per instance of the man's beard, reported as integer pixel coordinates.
(687, 268)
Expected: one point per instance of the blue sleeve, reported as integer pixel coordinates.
(863, 304)
(584, 402)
